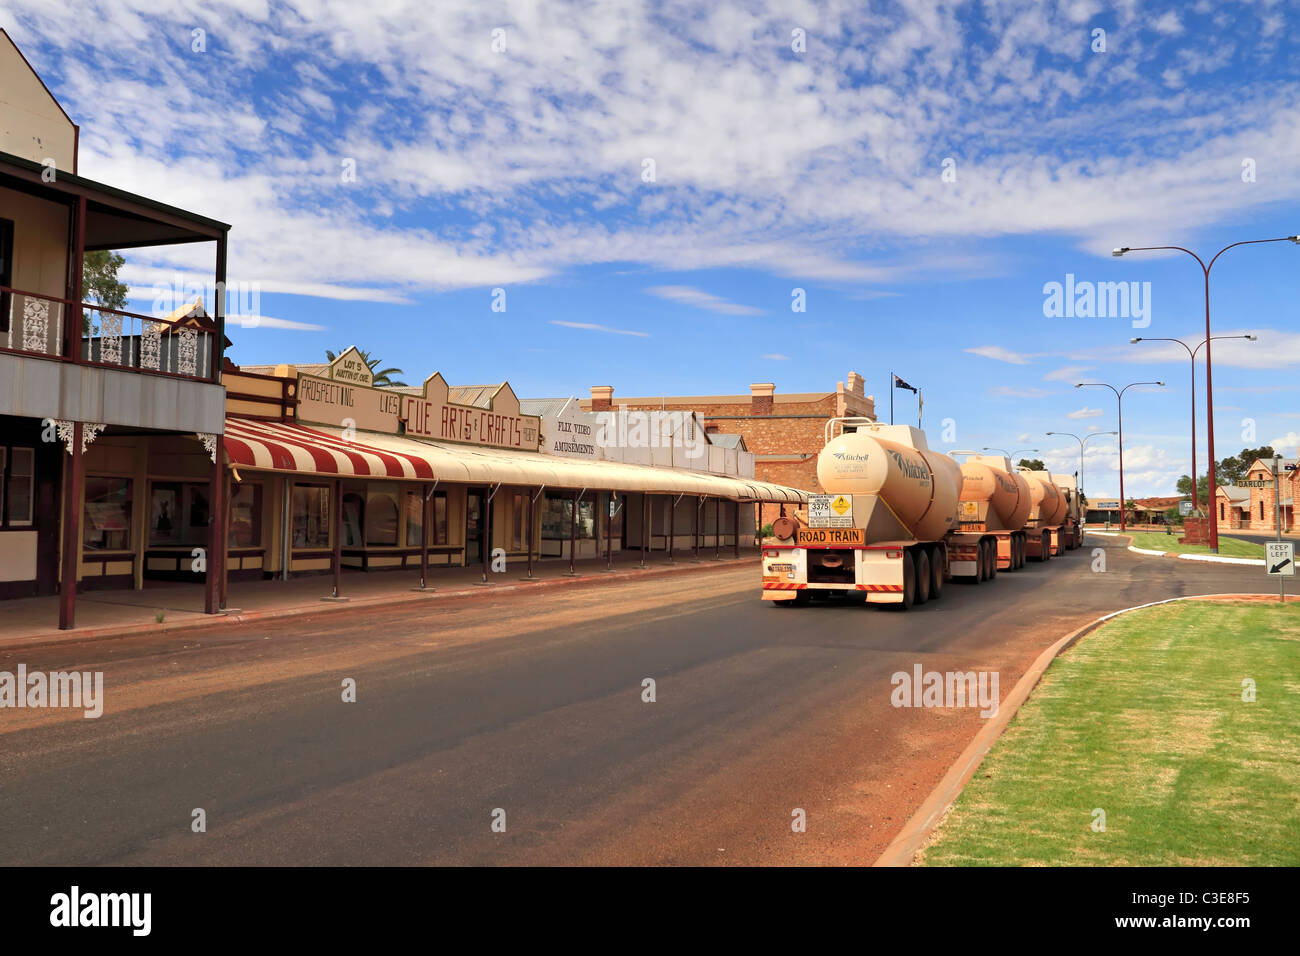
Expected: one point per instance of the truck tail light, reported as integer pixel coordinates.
(770, 553)
(893, 555)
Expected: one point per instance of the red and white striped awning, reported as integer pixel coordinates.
(273, 446)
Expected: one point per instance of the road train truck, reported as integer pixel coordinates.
(886, 528)
(1072, 529)
(1043, 535)
(996, 499)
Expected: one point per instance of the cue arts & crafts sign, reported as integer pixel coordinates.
(499, 425)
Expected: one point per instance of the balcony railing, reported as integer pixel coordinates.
(33, 324)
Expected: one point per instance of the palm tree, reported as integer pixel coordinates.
(383, 377)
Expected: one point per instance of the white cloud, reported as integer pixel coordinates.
(1168, 23)
(1009, 391)
(1068, 373)
(1086, 412)
(593, 327)
(1000, 354)
(776, 357)
(1286, 445)
(689, 295)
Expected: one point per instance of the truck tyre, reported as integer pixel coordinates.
(923, 577)
(909, 583)
(981, 562)
(993, 559)
(936, 574)
(1046, 549)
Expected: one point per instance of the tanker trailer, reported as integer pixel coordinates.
(995, 499)
(886, 527)
(1043, 529)
(1072, 530)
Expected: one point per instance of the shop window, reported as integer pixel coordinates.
(381, 516)
(519, 521)
(178, 514)
(615, 507)
(558, 513)
(246, 515)
(311, 516)
(354, 506)
(107, 514)
(17, 478)
(412, 508)
(439, 517)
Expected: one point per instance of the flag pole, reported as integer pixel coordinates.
(891, 398)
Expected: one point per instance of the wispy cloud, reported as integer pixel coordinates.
(689, 295)
(1010, 391)
(593, 327)
(1000, 354)
(1068, 373)
(777, 357)
(1086, 412)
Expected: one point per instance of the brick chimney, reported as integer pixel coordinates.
(602, 398)
(761, 401)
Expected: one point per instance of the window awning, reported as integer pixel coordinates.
(321, 450)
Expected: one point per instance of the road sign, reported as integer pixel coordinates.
(1279, 558)
(1184, 508)
(830, 511)
(1253, 483)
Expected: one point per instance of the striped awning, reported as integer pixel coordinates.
(321, 450)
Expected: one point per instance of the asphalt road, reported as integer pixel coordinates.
(532, 704)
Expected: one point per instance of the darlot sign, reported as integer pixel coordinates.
(500, 425)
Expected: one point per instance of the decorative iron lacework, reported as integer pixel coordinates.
(151, 346)
(67, 432)
(209, 444)
(188, 352)
(36, 325)
(110, 338)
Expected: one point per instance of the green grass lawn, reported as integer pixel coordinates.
(1145, 720)
(1228, 547)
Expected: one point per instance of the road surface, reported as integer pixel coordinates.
(532, 704)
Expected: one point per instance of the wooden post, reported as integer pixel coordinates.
(219, 341)
(225, 532)
(672, 515)
(212, 568)
(645, 526)
(74, 484)
(609, 533)
(717, 529)
(573, 535)
(695, 529)
(736, 528)
(532, 500)
(487, 530)
(426, 493)
(336, 559)
(72, 319)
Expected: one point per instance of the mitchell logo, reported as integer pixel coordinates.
(82, 689)
(103, 909)
(910, 468)
(949, 689)
(845, 456)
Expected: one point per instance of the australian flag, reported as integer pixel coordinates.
(899, 383)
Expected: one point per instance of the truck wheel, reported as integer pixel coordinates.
(936, 574)
(1046, 550)
(909, 583)
(981, 562)
(993, 559)
(922, 575)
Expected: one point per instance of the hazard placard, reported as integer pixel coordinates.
(1279, 558)
(830, 511)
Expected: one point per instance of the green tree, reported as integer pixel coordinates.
(1032, 464)
(1202, 487)
(99, 283)
(1233, 470)
(383, 377)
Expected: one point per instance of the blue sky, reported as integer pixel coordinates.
(524, 169)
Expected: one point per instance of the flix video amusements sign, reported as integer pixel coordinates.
(500, 425)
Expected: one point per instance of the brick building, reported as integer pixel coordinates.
(1254, 506)
(784, 431)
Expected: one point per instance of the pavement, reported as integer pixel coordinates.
(166, 606)
(530, 707)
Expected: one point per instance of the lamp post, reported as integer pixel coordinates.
(1009, 455)
(1082, 441)
(1209, 380)
(1192, 354)
(1119, 398)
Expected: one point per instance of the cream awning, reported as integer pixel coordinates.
(322, 450)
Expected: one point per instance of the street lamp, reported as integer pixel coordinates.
(1209, 381)
(1082, 441)
(1119, 397)
(1192, 352)
(1011, 455)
